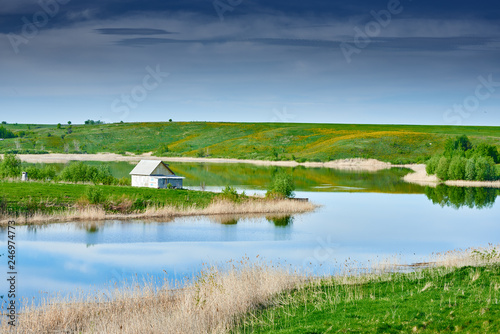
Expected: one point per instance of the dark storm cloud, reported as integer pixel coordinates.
(263, 55)
(12, 11)
(132, 31)
(382, 43)
(267, 41)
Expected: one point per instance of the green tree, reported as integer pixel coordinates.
(470, 169)
(456, 170)
(443, 168)
(432, 165)
(5, 133)
(10, 166)
(486, 150)
(485, 169)
(457, 146)
(282, 186)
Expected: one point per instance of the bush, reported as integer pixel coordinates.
(443, 168)
(125, 181)
(230, 193)
(485, 169)
(5, 133)
(42, 174)
(282, 186)
(80, 172)
(486, 150)
(10, 166)
(432, 165)
(470, 169)
(456, 170)
(458, 146)
(95, 195)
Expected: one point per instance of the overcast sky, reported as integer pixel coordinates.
(377, 61)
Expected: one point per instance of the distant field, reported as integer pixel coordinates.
(263, 141)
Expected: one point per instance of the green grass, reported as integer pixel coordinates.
(22, 197)
(432, 301)
(271, 141)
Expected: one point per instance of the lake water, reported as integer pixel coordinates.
(363, 217)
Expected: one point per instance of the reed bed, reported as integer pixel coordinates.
(217, 207)
(211, 303)
(249, 295)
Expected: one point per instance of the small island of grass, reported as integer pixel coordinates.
(82, 192)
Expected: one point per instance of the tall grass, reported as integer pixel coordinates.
(217, 207)
(251, 295)
(211, 303)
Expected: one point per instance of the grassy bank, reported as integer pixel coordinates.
(261, 141)
(36, 202)
(430, 301)
(459, 292)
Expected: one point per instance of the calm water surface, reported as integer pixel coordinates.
(363, 217)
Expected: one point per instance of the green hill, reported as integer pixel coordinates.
(267, 141)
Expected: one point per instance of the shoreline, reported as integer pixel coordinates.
(222, 300)
(219, 208)
(349, 164)
(419, 175)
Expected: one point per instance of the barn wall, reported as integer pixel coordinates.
(144, 181)
(161, 170)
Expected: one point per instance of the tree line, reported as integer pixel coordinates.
(10, 167)
(462, 160)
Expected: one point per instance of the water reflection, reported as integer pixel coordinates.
(259, 177)
(458, 197)
(280, 221)
(359, 226)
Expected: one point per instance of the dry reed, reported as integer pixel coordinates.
(211, 303)
(219, 207)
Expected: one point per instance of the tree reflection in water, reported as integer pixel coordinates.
(280, 221)
(458, 197)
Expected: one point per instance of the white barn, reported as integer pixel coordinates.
(154, 174)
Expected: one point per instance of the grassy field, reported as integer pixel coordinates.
(37, 202)
(22, 197)
(264, 141)
(462, 300)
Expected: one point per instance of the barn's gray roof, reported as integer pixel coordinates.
(146, 167)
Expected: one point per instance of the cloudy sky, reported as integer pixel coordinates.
(377, 61)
